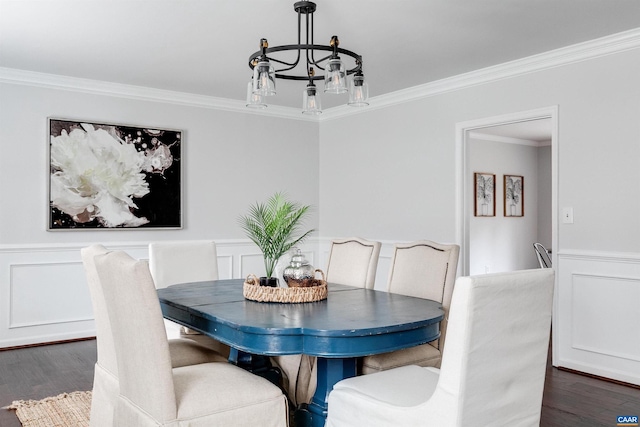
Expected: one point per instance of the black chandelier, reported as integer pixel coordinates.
(263, 82)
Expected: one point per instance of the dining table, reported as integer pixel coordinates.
(350, 323)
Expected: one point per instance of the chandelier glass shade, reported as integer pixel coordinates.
(358, 92)
(254, 100)
(335, 78)
(264, 80)
(311, 100)
(307, 56)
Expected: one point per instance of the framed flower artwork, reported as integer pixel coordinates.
(484, 202)
(513, 195)
(110, 176)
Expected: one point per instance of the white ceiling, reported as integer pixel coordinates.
(202, 46)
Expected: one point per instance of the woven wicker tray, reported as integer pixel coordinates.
(308, 291)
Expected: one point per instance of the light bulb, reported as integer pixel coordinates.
(264, 82)
(335, 77)
(254, 100)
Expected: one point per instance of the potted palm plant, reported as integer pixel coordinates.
(275, 227)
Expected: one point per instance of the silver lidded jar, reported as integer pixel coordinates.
(299, 271)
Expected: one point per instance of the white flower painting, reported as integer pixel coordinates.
(111, 176)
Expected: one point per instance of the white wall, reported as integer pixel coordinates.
(390, 174)
(231, 160)
(393, 169)
(502, 243)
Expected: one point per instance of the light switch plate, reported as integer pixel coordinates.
(567, 215)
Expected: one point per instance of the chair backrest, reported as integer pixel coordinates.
(182, 262)
(140, 342)
(104, 337)
(543, 255)
(353, 262)
(494, 364)
(425, 269)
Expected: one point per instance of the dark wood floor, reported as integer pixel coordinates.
(37, 372)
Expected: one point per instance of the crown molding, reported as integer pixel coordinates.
(559, 57)
(596, 48)
(97, 87)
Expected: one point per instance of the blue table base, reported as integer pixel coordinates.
(330, 371)
(256, 364)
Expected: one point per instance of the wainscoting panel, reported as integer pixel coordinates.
(597, 316)
(225, 266)
(26, 281)
(602, 305)
(251, 263)
(44, 295)
(384, 267)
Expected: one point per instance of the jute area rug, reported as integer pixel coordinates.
(64, 410)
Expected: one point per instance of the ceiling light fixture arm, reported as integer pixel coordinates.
(315, 47)
(266, 53)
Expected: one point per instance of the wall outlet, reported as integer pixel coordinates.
(487, 269)
(567, 215)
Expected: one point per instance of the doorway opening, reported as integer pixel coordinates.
(500, 243)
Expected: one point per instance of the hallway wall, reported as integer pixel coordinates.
(502, 243)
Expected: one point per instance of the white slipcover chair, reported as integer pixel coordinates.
(152, 392)
(173, 262)
(493, 367)
(353, 262)
(105, 381)
(421, 269)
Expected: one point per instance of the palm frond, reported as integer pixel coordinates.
(273, 225)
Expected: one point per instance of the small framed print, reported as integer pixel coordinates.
(513, 195)
(484, 202)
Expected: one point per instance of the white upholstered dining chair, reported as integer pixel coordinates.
(105, 381)
(493, 367)
(152, 392)
(352, 261)
(173, 262)
(421, 269)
